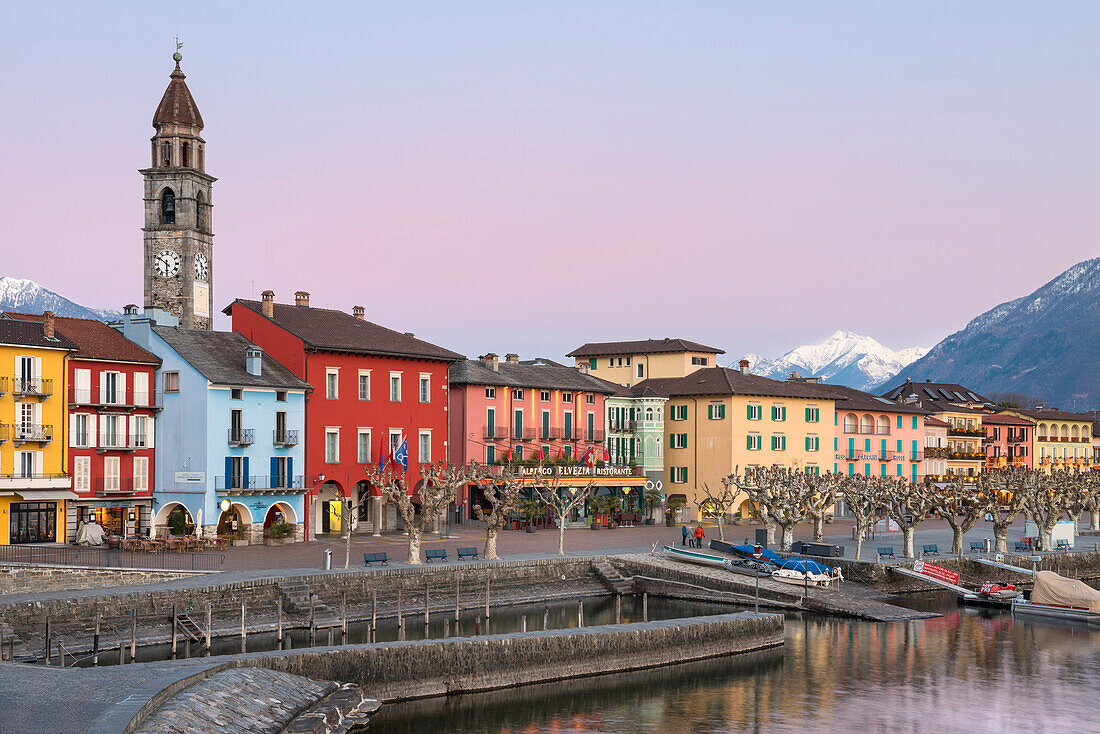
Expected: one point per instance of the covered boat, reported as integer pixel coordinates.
(1057, 597)
(803, 570)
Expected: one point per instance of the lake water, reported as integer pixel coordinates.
(968, 671)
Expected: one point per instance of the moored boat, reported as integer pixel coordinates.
(1056, 597)
(804, 572)
(698, 557)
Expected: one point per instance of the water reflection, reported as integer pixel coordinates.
(969, 670)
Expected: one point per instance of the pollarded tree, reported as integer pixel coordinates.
(717, 502)
(962, 502)
(1008, 487)
(823, 489)
(562, 498)
(438, 489)
(907, 503)
(863, 498)
(502, 494)
(1046, 498)
(1090, 487)
(781, 495)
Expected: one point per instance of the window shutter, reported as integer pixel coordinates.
(783, 411)
(748, 412)
(150, 432)
(120, 396)
(748, 442)
(290, 471)
(710, 412)
(783, 441)
(103, 386)
(244, 471)
(91, 432)
(72, 430)
(274, 471)
(228, 470)
(722, 410)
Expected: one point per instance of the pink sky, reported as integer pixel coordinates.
(515, 178)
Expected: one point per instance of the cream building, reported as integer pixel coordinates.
(631, 362)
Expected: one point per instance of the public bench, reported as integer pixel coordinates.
(978, 546)
(1062, 544)
(886, 551)
(369, 558)
(469, 552)
(931, 550)
(436, 554)
(1022, 547)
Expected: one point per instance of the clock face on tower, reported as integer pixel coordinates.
(166, 264)
(201, 267)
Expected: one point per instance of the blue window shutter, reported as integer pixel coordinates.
(244, 471)
(834, 467)
(883, 470)
(866, 470)
(899, 470)
(914, 421)
(899, 421)
(836, 421)
(228, 470)
(899, 446)
(866, 444)
(851, 469)
(274, 471)
(290, 471)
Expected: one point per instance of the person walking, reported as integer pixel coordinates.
(684, 531)
(698, 536)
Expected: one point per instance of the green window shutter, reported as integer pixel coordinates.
(807, 443)
(914, 421)
(748, 442)
(899, 421)
(684, 474)
(784, 413)
(783, 441)
(710, 412)
(748, 412)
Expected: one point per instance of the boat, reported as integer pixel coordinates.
(1056, 597)
(698, 557)
(804, 572)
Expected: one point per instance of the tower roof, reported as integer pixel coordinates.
(177, 106)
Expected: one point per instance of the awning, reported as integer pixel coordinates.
(121, 501)
(37, 495)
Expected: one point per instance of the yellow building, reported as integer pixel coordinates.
(34, 483)
(629, 363)
(719, 420)
(965, 439)
(1062, 440)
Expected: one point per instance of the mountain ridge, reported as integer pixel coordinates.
(26, 296)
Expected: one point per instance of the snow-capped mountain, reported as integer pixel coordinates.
(845, 358)
(26, 296)
(1043, 345)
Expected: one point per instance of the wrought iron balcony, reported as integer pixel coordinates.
(119, 485)
(966, 432)
(23, 432)
(32, 387)
(626, 426)
(126, 399)
(523, 434)
(258, 483)
(495, 433)
(242, 436)
(284, 438)
(121, 442)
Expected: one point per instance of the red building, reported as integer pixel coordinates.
(371, 388)
(1007, 440)
(112, 415)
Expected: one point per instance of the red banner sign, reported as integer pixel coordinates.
(936, 572)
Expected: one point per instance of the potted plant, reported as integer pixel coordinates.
(652, 500)
(279, 533)
(239, 537)
(672, 506)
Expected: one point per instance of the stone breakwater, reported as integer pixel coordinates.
(22, 579)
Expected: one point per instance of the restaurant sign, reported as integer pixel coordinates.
(580, 471)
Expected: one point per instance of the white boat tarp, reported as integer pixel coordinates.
(1050, 588)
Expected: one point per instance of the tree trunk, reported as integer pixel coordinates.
(1045, 529)
(956, 540)
(414, 546)
(1000, 537)
(861, 530)
(561, 535)
(721, 535)
(770, 527)
(907, 541)
(819, 527)
(787, 538)
(1094, 520)
(491, 543)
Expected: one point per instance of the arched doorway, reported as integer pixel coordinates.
(234, 520)
(176, 518)
(328, 509)
(277, 513)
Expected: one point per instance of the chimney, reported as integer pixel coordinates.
(795, 376)
(253, 361)
(359, 312)
(47, 324)
(267, 304)
(582, 367)
(491, 360)
(301, 299)
(744, 366)
(130, 309)
(511, 358)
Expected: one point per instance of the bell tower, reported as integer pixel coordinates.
(179, 263)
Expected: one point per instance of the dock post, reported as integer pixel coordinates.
(95, 639)
(209, 628)
(456, 598)
(343, 615)
(645, 606)
(312, 622)
(523, 625)
(546, 617)
(486, 601)
(133, 637)
(427, 593)
(279, 617)
(400, 613)
(618, 609)
(172, 621)
(373, 614)
(580, 613)
(244, 631)
(756, 600)
(48, 644)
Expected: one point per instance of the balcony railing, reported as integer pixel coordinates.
(596, 435)
(916, 456)
(119, 485)
(284, 438)
(622, 426)
(242, 436)
(967, 455)
(976, 432)
(523, 434)
(128, 398)
(23, 432)
(34, 387)
(936, 452)
(259, 482)
(121, 442)
(885, 455)
(495, 433)
(3, 386)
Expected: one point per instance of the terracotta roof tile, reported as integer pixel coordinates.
(177, 106)
(26, 333)
(94, 339)
(642, 346)
(725, 381)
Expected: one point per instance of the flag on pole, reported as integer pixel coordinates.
(606, 456)
(402, 455)
(382, 454)
(589, 457)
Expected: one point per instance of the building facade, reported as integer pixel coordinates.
(635, 433)
(935, 448)
(112, 409)
(1062, 440)
(230, 456)
(1008, 440)
(631, 362)
(372, 389)
(35, 486)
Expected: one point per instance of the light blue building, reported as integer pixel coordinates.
(229, 442)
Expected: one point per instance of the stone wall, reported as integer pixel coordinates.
(1084, 566)
(30, 579)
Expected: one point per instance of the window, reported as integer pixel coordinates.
(139, 430)
(425, 447)
(678, 412)
(111, 473)
(110, 435)
(813, 443)
(779, 442)
(112, 388)
(168, 200)
(332, 445)
(517, 395)
(753, 442)
(679, 474)
(82, 473)
(813, 414)
(236, 393)
(716, 411)
(425, 388)
(490, 392)
(544, 431)
(641, 370)
(517, 424)
(755, 411)
(332, 384)
(567, 397)
(677, 440)
(364, 446)
(185, 158)
(610, 361)
(395, 440)
(364, 384)
(591, 436)
(395, 387)
(171, 382)
(779, 412)
(544, 396)
(628, 361)
(699, 361)
(590, 399)
(490, 454)
(141, 474)
(79, 431)
(280, 396)
(899, 424)
(813, 469)
(914, 421)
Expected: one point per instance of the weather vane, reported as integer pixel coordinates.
(177, 56)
